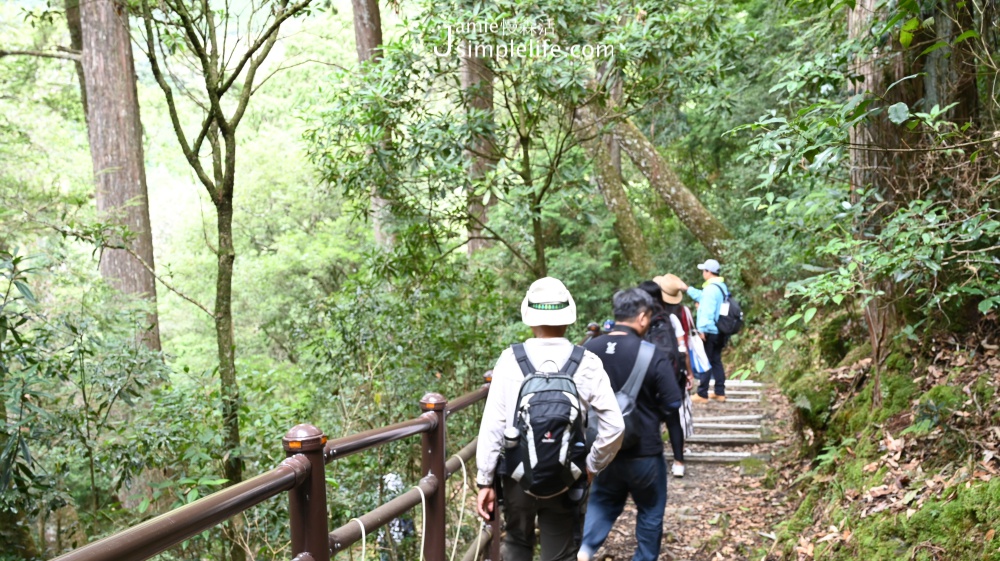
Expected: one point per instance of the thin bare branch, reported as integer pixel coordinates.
(170, 287)
(283, 14)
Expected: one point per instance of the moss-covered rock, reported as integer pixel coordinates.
(812, 394)
(831, 343)
(856, 353)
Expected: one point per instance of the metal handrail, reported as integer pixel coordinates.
(302, 474)
(470, 398)
(350, 533)
(160, 533)
(355, 443)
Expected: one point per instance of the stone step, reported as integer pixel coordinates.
(723, 439)
(728, 418)
(743, 392)
(719, 457)
(725, 426)
(744, 383)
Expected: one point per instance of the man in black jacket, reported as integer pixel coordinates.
(640, 470)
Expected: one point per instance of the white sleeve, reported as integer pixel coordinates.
(610, 424)
(494, 421)
(679, 333)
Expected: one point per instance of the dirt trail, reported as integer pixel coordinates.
(722, 508)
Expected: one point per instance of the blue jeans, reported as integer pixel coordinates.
(714, 343)
(645, 478)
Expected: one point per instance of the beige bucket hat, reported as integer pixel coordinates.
(672, 288)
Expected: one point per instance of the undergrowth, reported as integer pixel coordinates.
(911, 477)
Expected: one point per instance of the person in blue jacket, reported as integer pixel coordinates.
(710, 298)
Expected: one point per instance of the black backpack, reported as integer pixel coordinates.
(661, 333)
(730, 314)
(551, 454)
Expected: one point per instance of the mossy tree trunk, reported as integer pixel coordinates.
(609, 182)
(689, 210)
(235, 77)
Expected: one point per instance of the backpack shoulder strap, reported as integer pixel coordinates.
(575, 357)
(725, 294)
(522, 359)
(639, 369)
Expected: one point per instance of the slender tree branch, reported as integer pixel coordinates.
(167, 284)
(506, 244)
(284, 14)
(82, 236)
(64, 54)
(168, 94)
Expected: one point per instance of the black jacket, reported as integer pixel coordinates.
(658, 395)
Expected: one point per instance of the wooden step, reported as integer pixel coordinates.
(731, 439)
(725, 426)
(719, 457)
(728, 418)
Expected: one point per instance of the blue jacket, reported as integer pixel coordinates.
(709, 301)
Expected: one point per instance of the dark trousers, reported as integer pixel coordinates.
(676, 433)
(714, 343)
(560, 523)
(645, 479)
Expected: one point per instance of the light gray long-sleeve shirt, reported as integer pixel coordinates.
(592, 385)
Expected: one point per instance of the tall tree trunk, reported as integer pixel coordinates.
(116, 150)
(689, 210)
(874, 166)
(219, 130)
(477, 83)
(226, 346)
(609, 181)
(368, 40)
(950, 72)
(541, 267)
(76, 43)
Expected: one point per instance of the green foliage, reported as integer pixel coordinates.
(68, 380)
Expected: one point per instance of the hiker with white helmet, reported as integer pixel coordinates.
(546, 464)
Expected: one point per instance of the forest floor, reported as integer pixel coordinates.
(723, 510)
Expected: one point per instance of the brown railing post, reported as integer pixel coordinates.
(433, 462)
(307, 502)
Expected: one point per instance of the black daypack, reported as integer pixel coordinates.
(551, 454)
(661, 333)
(626, 398)
(730, 320)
